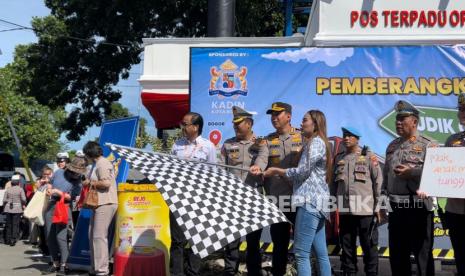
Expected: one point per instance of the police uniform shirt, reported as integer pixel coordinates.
(200, 149)
(357, 177)
(410, 152)
(456, 205)
(283, 152)
(243, 154)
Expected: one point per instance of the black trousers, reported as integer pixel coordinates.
(43, 241)
(25, 227)
(231, 258)
(253, 257)
(280, 235)
(12, 227)
(178, 244)
(352, 226)
(411, 231)
(456, 224)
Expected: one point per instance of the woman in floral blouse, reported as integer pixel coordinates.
(311, 194)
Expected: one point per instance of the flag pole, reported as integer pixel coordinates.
(110, 145)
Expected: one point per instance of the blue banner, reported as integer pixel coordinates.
(353, 86)
(121, 132)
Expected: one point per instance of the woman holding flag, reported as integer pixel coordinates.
(311, 194)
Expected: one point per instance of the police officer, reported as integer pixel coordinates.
(411, 218)
(455, 207)
(242, 151)
(283, 147)
(357, 184)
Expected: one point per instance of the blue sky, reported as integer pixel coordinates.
(21, 12)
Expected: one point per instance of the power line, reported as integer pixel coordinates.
(21, 27)
(14, 24)
(13, 29)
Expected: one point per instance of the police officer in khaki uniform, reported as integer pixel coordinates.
(242, 151)
(283, 147)
(455, 207)
(357, 184)
(411, 218)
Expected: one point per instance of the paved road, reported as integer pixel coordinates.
(19, 261)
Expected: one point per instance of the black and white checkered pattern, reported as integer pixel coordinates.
(212, 206)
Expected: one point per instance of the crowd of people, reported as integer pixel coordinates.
(64, 187)
(290, 162)
(297, 163)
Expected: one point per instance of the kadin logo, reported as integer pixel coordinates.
(229, 81)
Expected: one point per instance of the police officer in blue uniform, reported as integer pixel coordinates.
(357, 185)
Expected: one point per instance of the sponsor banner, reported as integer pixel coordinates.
(355, 87)
(352, 86)
(142, 225)
(120, 131)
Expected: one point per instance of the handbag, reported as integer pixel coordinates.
(60, 214)
(91, 199)
(82, 196)
(35, 208)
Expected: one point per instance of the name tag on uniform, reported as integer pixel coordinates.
(275, 142)
(360, 171)
(296, 146)
(362, 177)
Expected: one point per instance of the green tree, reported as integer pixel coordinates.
(117, 111)
(85, 47)
(36, 125)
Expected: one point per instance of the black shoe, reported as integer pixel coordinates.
(50, 270)
(62, 271)
(12, 243)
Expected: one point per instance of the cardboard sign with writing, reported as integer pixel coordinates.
(444, 172)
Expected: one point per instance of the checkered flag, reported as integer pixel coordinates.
(212, 206)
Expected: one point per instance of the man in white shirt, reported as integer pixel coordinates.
(191, 146)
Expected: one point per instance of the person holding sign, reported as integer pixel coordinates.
(411, 215)
(357, 185)
(242, 151)
(455, 207)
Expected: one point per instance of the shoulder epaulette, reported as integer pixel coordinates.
(272, 136)
(230, 140)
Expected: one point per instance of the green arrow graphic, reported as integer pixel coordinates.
(437, 123)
